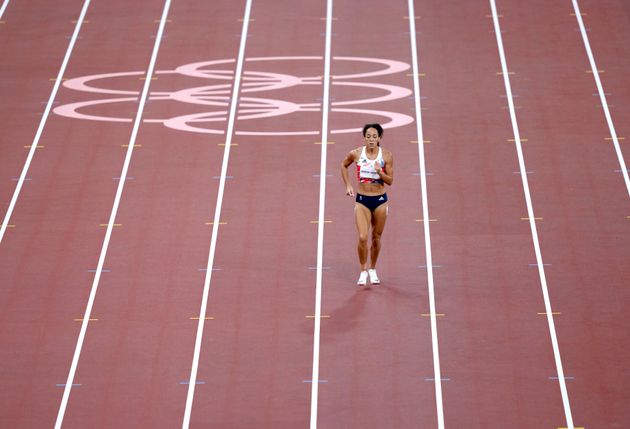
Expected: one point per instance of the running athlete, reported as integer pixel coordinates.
(375, 168)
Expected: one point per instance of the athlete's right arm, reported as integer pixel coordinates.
(347, 162)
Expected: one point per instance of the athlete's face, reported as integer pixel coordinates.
(371, 138)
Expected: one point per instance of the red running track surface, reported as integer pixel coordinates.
(376, 360)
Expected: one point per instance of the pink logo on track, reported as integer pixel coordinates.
(179, 108)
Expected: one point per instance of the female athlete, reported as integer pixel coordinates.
(375, 168)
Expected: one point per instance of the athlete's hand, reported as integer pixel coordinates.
(377, 167)
(349, 191)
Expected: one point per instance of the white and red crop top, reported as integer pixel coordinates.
(366, 173)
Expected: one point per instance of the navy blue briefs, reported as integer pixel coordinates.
(371, 202)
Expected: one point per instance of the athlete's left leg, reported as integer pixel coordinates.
(379, 217)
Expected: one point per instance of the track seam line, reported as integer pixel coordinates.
(602, 95)
(532, 222)
(112, 218)
(321, 217)
(425, 215)
(42, 122)
(217, 216)
(3, 8)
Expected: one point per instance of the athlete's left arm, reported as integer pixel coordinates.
(387, 174)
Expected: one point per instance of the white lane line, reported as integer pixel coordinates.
(42, 122)
(532, 221)
(320, 216)
(217, 215)
(425, 215)
(4, 6)
(602, 96)
(112, 219)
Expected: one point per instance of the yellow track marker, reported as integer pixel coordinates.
(168, 20)
(85, 21)
(53, 79)
(126, 145)
(572, 14)
(599, 71)
(415, 17)
(627, 217)
(205, 318)
(324, 19)
(326, 143)
(419, 74)
(536, 218)
(326, 221)
(436, 314)
(13, 226)
(145, 78)
(250, 19)
(605, 138)
(29, 146)
(223, 144)
(106, 224)
(510, 72)
(81, 320)
(553, 313)
(423, 141)
(513, 140)
(430, 220)
(3, 22)
(220, 223)
(490, 16)
(323, 316)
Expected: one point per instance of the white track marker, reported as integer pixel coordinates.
(42, 122)
(112, 219)
(4, 6)
(217, 215)
(425, 215)
(320, 217)
(602, 96)
(532, 221)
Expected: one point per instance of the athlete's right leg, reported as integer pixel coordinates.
(363, 218)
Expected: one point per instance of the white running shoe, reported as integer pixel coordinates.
(362, 278)
(373, 277)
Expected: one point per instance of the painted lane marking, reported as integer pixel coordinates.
(112, 218)
(530, 216)
(217, 214)
(42, 122)
(3, 8)
(425, 215)
(602, 95)
(213, 97)
(321, 222)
